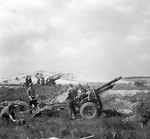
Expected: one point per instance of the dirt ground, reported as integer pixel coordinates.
(56, 123)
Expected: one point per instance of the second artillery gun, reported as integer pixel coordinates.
(51, 81)
(90, 104)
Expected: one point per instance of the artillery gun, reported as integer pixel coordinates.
(51, 81)
(90, 104)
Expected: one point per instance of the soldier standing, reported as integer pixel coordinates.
(27, 82)
(38, 80)
(42, 81)
(47, 81)
(31, 95)
(71, 101)
(29, 79)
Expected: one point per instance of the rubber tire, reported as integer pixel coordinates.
(93, 106)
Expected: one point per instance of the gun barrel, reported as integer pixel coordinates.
(111, 82)
(56, 78)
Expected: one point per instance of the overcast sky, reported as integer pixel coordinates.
(99, 38)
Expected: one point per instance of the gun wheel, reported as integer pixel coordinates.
(88, 110)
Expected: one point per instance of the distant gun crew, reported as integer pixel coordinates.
(51, 81)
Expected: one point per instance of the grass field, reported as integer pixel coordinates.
(57, 124)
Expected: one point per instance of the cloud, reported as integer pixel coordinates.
(145, 58)
(98, 37)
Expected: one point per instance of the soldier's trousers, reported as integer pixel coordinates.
(33, 102)
(71, 108)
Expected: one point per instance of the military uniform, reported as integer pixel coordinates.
(42, 81)
(7, 112)
(31, 94)
(71, 102)
(27, 82)
(38, 80)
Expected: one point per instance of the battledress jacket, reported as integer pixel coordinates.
(7, 110)
(72, 93)
(31, 92)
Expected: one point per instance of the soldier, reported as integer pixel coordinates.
(71, 101)
(8, 113)
(42, 81)
(81, 90)
(47, 81)
(32, 96)
(38, 80)
(29, 79)
(52, 81)
(27, 82)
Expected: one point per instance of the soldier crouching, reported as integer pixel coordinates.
(8, 113)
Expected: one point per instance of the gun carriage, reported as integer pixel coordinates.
(88, 104)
